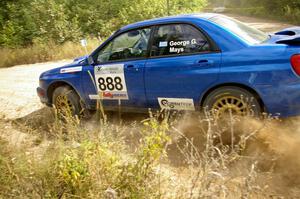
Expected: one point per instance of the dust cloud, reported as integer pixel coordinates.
(272, 144)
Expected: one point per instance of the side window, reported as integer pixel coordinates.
(129, 45)
(178, 39)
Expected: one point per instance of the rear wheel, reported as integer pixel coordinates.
(226, 105)
(232, 100)
(66, 101)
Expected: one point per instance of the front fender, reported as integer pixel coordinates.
(54, 81)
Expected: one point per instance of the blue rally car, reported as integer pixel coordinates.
(184, 63)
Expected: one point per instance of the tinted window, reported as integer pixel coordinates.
(129, 45)
(247, 33)
(178, 39)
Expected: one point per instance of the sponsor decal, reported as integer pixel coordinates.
(163, 44)
(176, 103)
(177, 46)
(183, 43)
(71, 70)
(109, 96)
(94, 97)
(176, 50)
(110, 81)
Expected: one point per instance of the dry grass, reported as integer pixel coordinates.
(44, 52)
(77, 160)
(179, 156)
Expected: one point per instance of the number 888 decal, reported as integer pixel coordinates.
(110, 83)
(111, 79)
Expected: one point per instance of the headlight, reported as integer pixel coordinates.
(41, 83)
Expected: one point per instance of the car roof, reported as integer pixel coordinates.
(170, 19)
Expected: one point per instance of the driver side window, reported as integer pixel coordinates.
(128, 45)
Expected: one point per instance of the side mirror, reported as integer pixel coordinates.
(133, 33)
(90, 60)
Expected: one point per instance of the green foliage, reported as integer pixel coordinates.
(137, 179)
(25, 22)
(54, 23)
(147, 9)
(82, 163)
(17, 24)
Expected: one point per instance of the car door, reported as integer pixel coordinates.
(182, 65)
(118, 71)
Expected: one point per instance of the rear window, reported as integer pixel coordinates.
(245, 32)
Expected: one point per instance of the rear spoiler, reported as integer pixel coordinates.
(289, 31)
(292, 36)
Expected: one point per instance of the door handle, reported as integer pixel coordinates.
(132, 67)
(204, 63)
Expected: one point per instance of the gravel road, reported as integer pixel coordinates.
(18, 88)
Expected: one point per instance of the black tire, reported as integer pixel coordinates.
(71, 101)
(239, 99)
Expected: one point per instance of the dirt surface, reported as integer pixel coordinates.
(18, 88)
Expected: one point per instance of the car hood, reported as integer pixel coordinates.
(289, 36)
(77, 62)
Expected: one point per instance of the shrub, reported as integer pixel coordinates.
(88, 164)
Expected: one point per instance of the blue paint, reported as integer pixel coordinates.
(264, 68)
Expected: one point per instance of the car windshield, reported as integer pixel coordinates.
(246, 33)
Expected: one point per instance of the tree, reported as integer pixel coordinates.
(24, 22)
(147, 9)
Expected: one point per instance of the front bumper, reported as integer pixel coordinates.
(43, 96)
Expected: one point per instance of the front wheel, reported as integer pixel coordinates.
(232, 100)
(66, 101)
